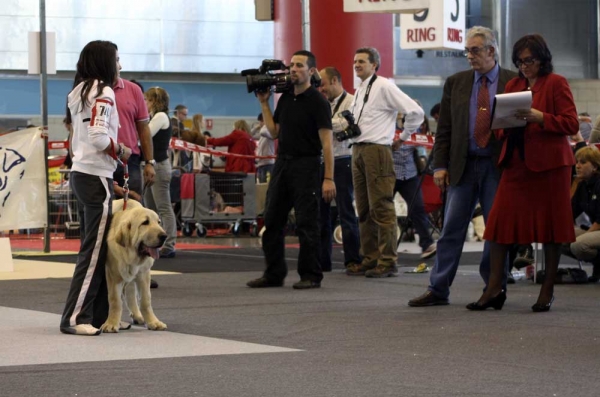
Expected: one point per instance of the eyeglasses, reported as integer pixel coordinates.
(527, 61)
(474, 50)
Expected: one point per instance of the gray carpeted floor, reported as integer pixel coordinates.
(352, 337)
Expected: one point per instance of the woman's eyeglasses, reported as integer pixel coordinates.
(527, 62)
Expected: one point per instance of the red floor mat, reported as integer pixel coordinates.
(17, 244)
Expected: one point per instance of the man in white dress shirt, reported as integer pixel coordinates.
(340, 100)
(375, 107)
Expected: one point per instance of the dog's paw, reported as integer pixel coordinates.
(157, 325)
(110, 327)
(137, 320)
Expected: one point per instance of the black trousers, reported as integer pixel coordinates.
(295, 183)
(87, 301)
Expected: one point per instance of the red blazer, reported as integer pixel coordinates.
(238, 142)
(547, 146)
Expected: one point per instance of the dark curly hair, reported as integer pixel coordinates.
(536, 44)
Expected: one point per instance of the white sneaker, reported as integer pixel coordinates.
(81, 329)
(429, 251)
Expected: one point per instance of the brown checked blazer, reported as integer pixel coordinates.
(452, 137)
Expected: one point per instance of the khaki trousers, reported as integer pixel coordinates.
(374, 178)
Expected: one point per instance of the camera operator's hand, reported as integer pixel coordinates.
(263, 96)
(441, 179)
(328, 189)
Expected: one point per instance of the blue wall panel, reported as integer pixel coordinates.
(22, 97)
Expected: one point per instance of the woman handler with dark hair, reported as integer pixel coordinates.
(95, 122)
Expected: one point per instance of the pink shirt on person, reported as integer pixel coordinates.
(132, 108)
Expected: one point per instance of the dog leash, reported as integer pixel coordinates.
(125, 184)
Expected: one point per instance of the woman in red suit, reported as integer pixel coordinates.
(533, 199)
(238, 142)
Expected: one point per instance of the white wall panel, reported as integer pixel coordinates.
(217, 36)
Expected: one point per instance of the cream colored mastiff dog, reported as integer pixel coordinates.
(134, 238)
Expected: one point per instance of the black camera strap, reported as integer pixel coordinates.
(337, 106)
(366, 96)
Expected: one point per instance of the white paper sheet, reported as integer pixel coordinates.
(505, 107)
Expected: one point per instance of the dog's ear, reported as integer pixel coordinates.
(122, 233)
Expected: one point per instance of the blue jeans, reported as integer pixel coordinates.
(342, 175)
(410, 190)
(478, 183)
(263, 173)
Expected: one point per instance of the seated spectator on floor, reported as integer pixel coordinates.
(585, 200)
(238, 142)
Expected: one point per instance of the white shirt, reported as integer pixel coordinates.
(378, 120)
(159, 121)
(95, 125)
(340, 149)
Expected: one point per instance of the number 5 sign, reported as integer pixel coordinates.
(391, 6)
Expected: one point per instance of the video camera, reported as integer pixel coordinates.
(352, 131)
(263, 78)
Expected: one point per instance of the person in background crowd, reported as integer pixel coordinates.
(180, 114)
(202, 161)
(239, 141)
(375, 108)
(464, 158)
(409, 187)
(585, 125)
(536, 161)
(133, 127)
(181, 158)
(435, 113)
(96, 151)
(584, 201)
(266, 147)
(138, 84)
(595, 134)
(302, 123)
(339, 100)
(158, 197)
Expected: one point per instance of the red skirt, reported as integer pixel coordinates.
(531, 206)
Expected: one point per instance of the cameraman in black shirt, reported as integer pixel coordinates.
(302, 123)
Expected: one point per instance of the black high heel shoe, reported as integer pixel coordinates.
(496, 302)
(538, 307)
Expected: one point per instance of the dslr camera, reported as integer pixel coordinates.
(352, 131)
(263, 78)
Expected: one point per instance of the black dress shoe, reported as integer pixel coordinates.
(496, 302)
(306, 284)
(264, 283)
(539, 307)
(427, 299)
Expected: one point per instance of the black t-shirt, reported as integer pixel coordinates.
(587, 199)
(300, 118)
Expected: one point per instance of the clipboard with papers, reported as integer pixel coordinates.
(505, 107)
